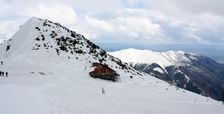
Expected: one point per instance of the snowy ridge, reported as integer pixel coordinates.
(135, 56)
(49, 67)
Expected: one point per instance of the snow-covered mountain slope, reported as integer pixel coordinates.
(41, 41)
(164, 59)
(193, 72)
(48, 69)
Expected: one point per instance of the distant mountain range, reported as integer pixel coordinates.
(212, 50)
(190, 71)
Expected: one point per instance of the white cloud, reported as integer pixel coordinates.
(99, 24)
(152, 21)
(96, 5)
(138, 25)
(194, 37)
(14, 13)
(201, 6)
(122, 26)
(54, 11)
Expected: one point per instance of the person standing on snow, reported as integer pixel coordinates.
(103, 91)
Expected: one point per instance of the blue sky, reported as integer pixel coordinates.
(124, 21)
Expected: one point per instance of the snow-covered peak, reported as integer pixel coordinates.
(40, 41)
(136, 56)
